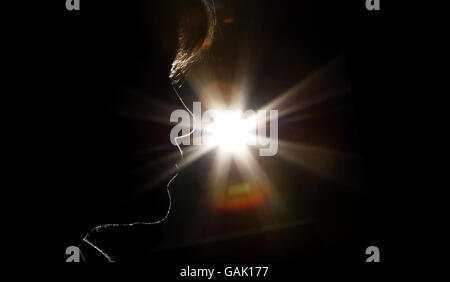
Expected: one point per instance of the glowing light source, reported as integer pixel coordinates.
(230, 131)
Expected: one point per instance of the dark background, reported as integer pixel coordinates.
(80, 141)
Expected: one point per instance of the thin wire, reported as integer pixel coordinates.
(105, 226)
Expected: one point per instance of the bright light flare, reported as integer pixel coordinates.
(230, 131)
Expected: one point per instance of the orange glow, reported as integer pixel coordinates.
(228, 20)
(240, 196)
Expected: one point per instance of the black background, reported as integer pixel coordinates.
(52, 91)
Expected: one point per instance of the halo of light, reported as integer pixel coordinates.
(229, 131)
